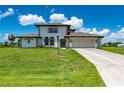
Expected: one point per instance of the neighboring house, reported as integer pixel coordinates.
(59, 35)
(120, 45)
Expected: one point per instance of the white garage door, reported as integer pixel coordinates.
(85, 43)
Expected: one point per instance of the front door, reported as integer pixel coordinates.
(62, 42)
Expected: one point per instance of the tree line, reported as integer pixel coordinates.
(111, 44)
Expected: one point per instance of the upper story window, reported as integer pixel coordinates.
(52, 30)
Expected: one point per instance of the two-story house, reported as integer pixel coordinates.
(59, 35)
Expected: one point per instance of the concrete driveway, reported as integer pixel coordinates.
(109, 65)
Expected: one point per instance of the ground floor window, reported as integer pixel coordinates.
(46, 40)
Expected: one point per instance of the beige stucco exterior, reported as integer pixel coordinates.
(25, 44)
(79, 40)
(62, 31)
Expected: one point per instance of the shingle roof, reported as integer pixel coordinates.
(82, 34)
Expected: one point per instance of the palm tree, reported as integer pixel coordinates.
(11, 38)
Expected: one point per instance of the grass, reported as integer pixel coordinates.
(44, 67)
(119, 50)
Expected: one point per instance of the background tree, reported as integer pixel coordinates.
(11, 38)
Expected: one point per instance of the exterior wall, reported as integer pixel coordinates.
(25, 44)
(99, 42)
(67, 42)
(62, 31)
(39, 42)
(82, 42)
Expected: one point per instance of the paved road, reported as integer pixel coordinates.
(109, 65)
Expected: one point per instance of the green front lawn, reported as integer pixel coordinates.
(44, 67)
(119, 50)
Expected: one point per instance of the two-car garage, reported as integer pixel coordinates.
(83, 40)
(84, 43)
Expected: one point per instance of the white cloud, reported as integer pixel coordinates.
(93, 31)
(52, 10)
(121, 31)
(75, 23)
(86, 30)
(30, 19)
(9, 12)
(115, 37)
(103, 32)
(112, 33)
(60, 18)
(57, 18)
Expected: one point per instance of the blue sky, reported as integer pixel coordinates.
(107, 20)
